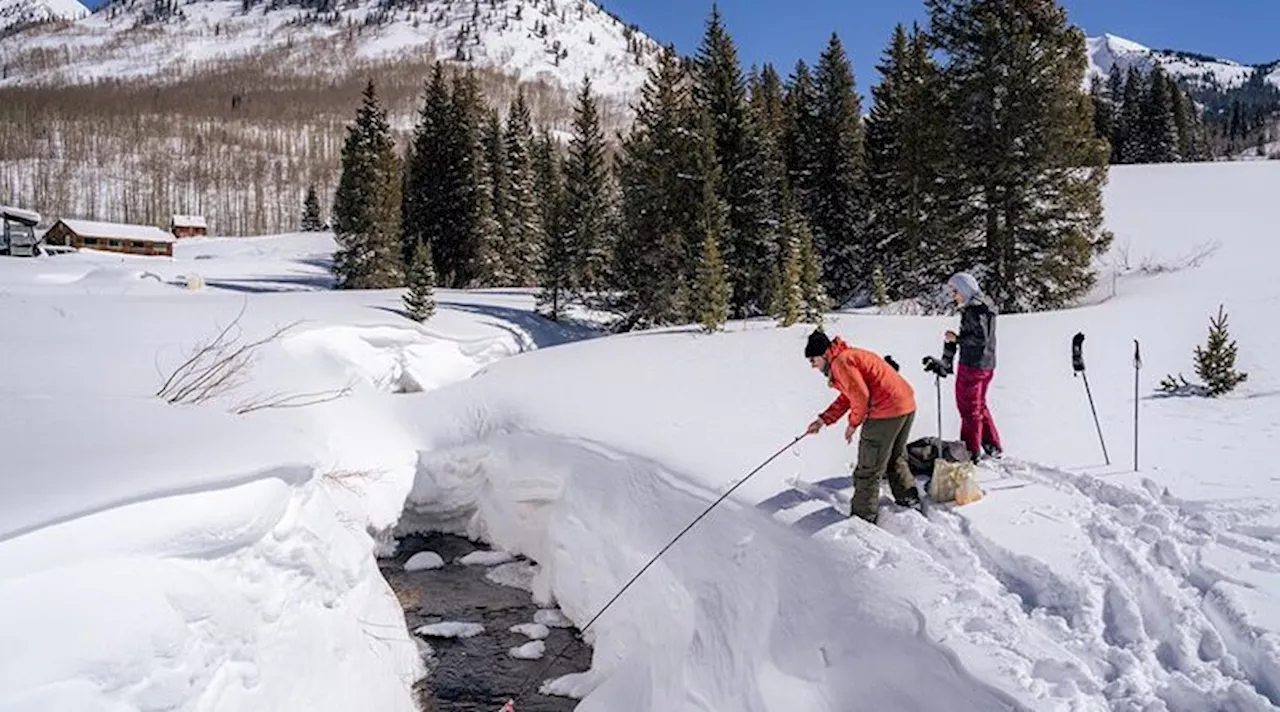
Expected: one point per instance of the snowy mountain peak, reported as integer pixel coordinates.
(557, 41)
(16, 14)
(1197, 70)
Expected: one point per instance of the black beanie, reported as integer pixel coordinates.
(818, 344)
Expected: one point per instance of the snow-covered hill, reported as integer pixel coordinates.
(560, 42)
(1199, 71)
(15, 14)
(235, 550)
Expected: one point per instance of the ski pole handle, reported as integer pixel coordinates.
(1077, 352)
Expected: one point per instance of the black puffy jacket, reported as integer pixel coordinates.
(977, 337)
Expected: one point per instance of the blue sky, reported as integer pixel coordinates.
(782, 31)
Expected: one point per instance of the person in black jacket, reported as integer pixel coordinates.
(977, 366)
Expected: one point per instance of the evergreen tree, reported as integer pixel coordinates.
(420, 299)
(840, 205)
(1103, 111)
(523, 238)
(428, 179)
(468, 227)
(768, 113)
(910, 155)
(656, 250)
(1130, 147)
(1027, 146)
(555, 266)
(311, 221)
(585, 199)
(1159, 125)
(721, 91)
(1115, 94)
(788, 299)
(812, 293)
(1215, 363)
(799, 138)
(366, 209)
(494, 215)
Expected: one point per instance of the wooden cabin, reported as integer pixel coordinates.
(18, 232)
(188, 226)
(111, 237)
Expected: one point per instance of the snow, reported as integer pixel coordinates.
(532, 650)
(536, 631)
(189, 221)
(507, 36)
(451, 629)
(423, 561)
(92, 228)
(235, 552)
(1107, 50)
(19, 214)
(20, 12)
(485, 558)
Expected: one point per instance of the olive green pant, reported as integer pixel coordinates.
(882, 451)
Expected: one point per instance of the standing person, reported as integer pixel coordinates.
(977, 343)
(882, 402)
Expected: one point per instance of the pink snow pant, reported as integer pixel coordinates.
(977, 427)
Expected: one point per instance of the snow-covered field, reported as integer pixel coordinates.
(175, 556)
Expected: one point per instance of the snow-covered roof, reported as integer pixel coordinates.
(145, 233)
(189, 221)
(19, 214)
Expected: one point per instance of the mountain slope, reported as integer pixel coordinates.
(1198, 71)
(166, 42)
(16, 14)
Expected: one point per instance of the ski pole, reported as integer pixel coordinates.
(521, 690)
(1137, 366)
(937, 385)
(1077, 364)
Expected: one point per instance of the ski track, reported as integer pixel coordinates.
(1138, 621)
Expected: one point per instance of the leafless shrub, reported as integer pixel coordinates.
(350, 480)
(290, 400)
(217, 367)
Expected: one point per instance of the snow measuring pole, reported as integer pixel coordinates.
(1077, 365)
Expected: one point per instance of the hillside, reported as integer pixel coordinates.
(259, 95)
(530, 40)
(15, 15)
(245, 577)
(1196, 71)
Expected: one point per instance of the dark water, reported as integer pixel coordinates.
(478, 674)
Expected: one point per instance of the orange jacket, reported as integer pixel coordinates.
(869, 387)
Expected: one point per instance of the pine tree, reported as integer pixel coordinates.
(1027, 146)
(555, 265)
(366, 209)
(788, 298)
(657, 247)
(721, 91)
(311, 220)
(494, 214)
(840, 204)
(768, 113)
(1215, 363)
(430, 199)
(524, 229)
(799, 138)
(420, 299)
(1159, 125)
(1129, 147)
(1118, 133)
(585, 198)
(813, 294)
(910, 155)
(467, 227)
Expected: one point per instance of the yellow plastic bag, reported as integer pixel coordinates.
(954, 482)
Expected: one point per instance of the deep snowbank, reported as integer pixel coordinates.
(1071, 586)
(226, 560)
(771, 622)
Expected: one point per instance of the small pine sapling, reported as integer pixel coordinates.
(1215, 363)
(420, 299)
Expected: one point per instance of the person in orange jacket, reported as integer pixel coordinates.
(880, 401)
